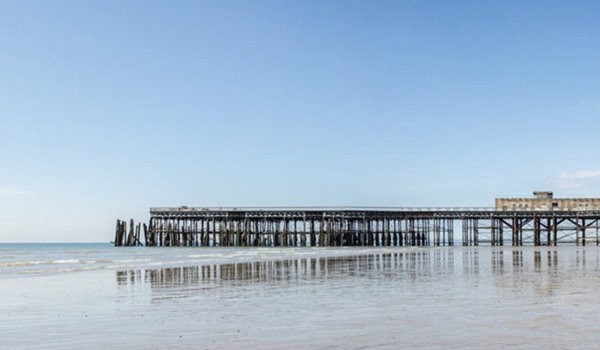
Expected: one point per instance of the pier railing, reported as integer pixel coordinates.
(369, 209)
(323, 208)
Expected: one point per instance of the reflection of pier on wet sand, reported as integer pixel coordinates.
(409, 265)
(273, 271)
(320, 227)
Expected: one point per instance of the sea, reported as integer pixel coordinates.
(96, 296)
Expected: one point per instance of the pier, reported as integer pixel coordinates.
(354, 226)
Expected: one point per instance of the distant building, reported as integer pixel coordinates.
(545, 201)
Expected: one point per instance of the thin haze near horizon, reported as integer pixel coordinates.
(108, 108)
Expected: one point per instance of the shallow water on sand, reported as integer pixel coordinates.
(226, 298)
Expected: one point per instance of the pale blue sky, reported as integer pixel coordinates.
(110, 107)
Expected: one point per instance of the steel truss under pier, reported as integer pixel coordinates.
(321, 227)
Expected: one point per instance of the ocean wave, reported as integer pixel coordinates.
(205, 255)
(36, 262)
(131, 260)
(26, 263)
(38, 272)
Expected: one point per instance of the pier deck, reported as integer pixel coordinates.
(359, 226)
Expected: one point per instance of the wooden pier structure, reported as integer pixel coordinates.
(353, 226)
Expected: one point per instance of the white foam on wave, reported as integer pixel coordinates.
(205, 255)
(68, 261)
(44, 262)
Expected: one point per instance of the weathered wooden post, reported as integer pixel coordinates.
(146, 236)
(303, 236)
(116, 241)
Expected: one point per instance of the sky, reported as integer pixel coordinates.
(108, 108)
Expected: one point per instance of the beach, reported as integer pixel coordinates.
(218, 298)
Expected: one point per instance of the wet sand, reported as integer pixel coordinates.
(440, 298)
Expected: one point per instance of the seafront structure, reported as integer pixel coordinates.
(542, 220)
(545, 201)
